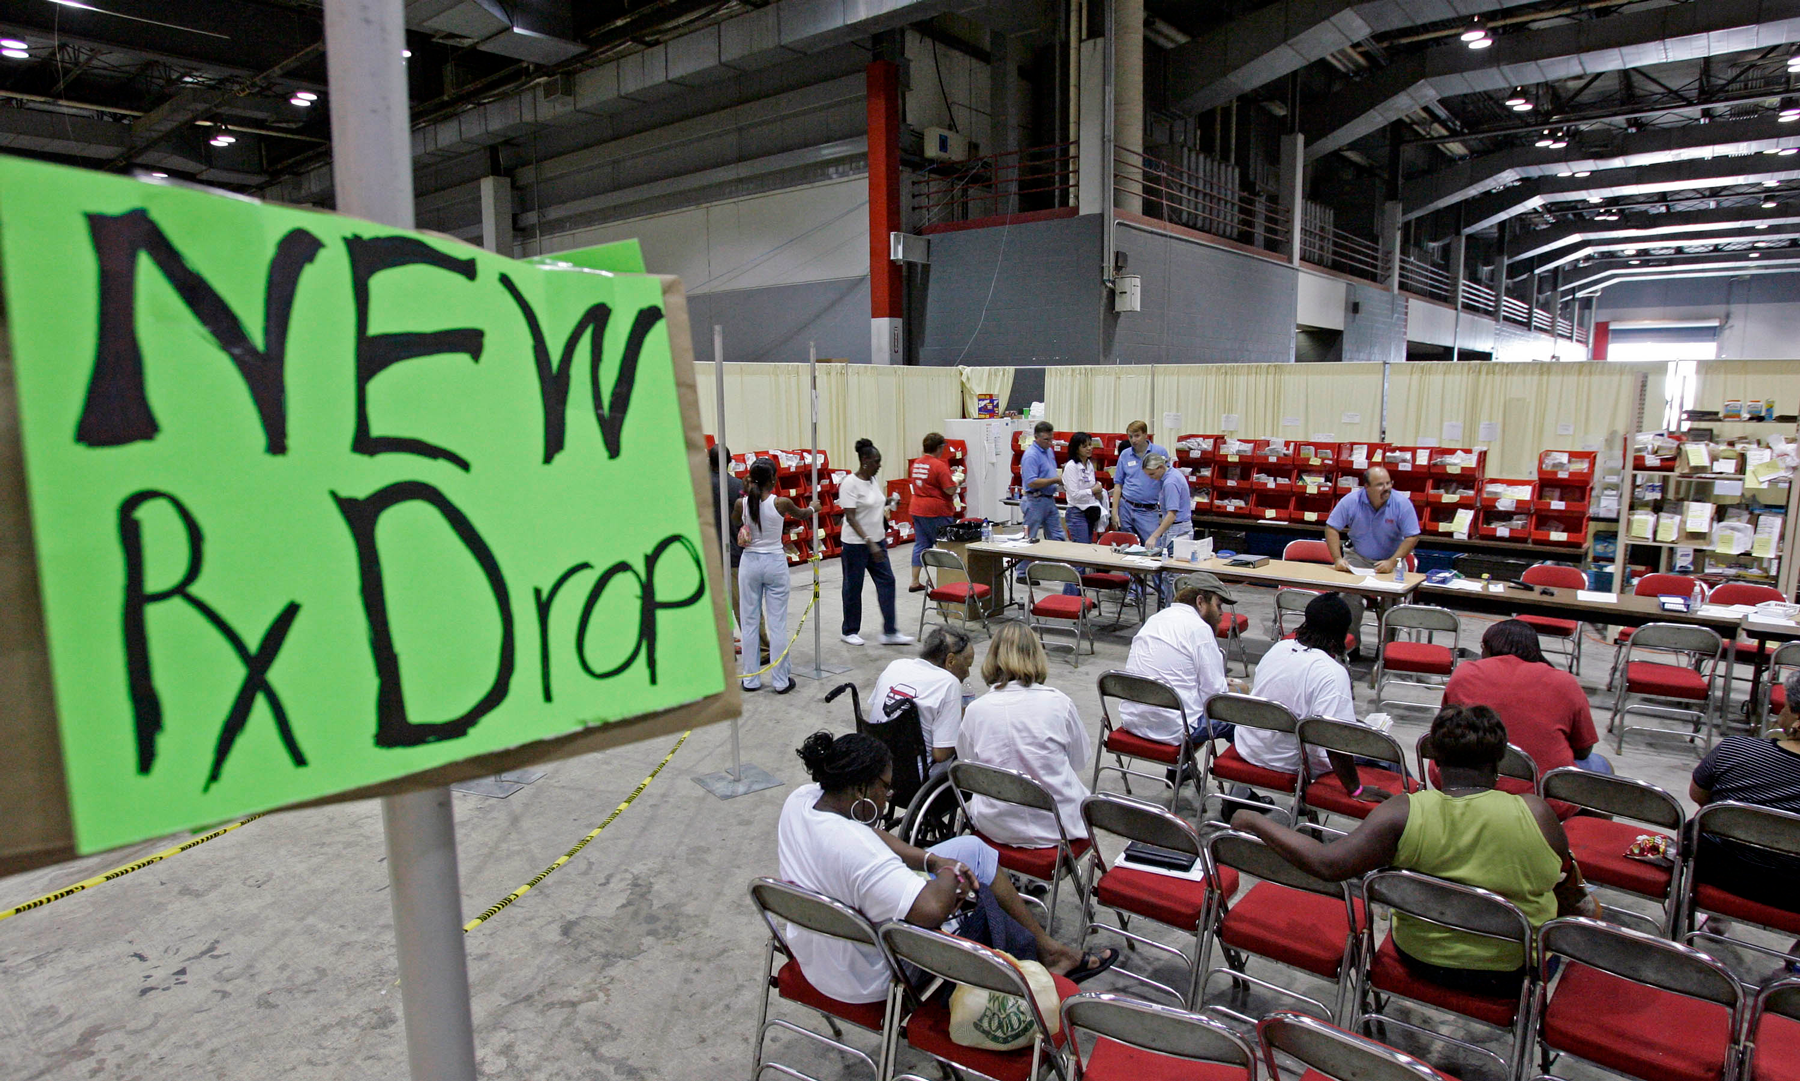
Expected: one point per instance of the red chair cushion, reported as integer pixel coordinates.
(1664, 680)
(793, 985)
(1115, 1061)
(1556, 628)
(1777, 1050)
(1233, 766)
(1119, 741)
(1624, 634)
(928, 1030)
(1163, 898)
(1417, 657)
(1777, 697)
(1106, 580)
(1350, 640)
(1636, 1029)
(1231, 624)
(1598, 845)
(1062, 606)
(1389, 973)
(1305, 930)
(1714, 899)
(1036, 862)
(1327, 793)
(959, 592)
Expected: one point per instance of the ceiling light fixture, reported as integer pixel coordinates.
(11, 43)
(1594, 199)
(1769, 204)
(1788, 151)
(1763, 225)
(1788, 115)
(1584, 172)
(1478, 31)
(15, 54)
(1629, 251)
(406, 54)
(159, 176)
(1770, 183)
(306, 95)
(1545, 139)
(1517, 101)
(1635, 262)
(1793, 61)
(300, 101)
(1756, 255)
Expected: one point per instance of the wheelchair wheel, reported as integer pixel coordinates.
(933, 815)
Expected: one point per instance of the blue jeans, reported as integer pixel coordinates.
(1595, 762)
(1041, 516)
(925, 535)
(763, 586)
(1077, 521)
(856, 561)
(1136, 520)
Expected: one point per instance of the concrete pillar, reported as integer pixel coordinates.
(1500, 277)
(1094, 156)
(1292, 195)
(497, 214)
(886, 282)
(1459, 251)
(1006, 108)
(1390, 245)
(1128, 103)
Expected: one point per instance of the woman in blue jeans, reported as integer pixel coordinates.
(864, 540)
(761, 519)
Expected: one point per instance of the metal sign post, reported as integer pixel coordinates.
(740, 780)
(819, 668)
(371, 152)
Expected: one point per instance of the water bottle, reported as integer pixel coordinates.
(1400, 572)
(1696, 599)
(987, 531)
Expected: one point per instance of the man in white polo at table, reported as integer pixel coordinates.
(1383, 526)
(1136, 494)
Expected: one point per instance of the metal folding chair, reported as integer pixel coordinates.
(1048, 864)
(1248, 711)
(1771, 1037)
(1772, 697)
(1102, 582)
(1765, 829)
(1650, 585)
(966, 595)
(1550, 629)
(1634, 1003)
(1326, 793)
(1122, 744)
(1290, 918)
(927, 1025)
(1329, 1052)
(1463, 908)
(779, 901)
(1059, 607)
(1426, 658)
(1700, 650)
(1121, 1025)
(1598, 841)
(1291, 601)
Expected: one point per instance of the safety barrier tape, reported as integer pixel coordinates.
(570, 854)
(121, 872)
(795, 637)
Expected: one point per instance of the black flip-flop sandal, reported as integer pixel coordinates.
(1093, 965)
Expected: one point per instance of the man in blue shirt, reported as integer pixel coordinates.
(1174, 514)
(1383, 528)
(1136, 494)
(1042, 480)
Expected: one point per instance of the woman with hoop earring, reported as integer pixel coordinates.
(827, 843)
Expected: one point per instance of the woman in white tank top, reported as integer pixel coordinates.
(763, 573)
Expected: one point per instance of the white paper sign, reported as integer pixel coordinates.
(1352, 418)
(1228, 422)
(1489, 431)
(1290, 422)
(1324, 437)
(1452, 432)
(1565, 427)
(1171, 424)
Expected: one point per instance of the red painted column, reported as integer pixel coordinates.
(886, 282)
(1597, 347)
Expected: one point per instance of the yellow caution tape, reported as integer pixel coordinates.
(795, 637)
(570, 854)
(121, 872)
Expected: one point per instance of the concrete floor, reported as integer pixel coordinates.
(269, 951)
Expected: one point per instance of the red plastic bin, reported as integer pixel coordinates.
(1580, 467)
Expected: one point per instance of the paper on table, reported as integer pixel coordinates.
(1596, 596)
(1496, 587)
(1727, 609)
(1371, 582)
(1473, 585)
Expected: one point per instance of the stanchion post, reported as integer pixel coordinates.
(819, 669)
(371, 154)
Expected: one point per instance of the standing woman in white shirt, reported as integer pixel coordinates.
(1023, 725)
(761, 518)
(1083, 490)
(864, 540)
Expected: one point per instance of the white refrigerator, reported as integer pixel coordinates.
(989, 464)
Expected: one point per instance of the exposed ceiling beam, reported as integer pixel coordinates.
(1775, 234)
(1639, 226)
(1729, 264)
(1569, 51)
(1623, 112)
(1485, 211)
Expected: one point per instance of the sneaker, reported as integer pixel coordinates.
(897, 639)
(852, 639)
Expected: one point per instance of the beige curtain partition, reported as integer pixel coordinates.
(1100, 398)
(1721, 380)
(1341, 402)
(995, 381)
(768, 408)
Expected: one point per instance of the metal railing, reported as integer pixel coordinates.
(1418, 276)
(1190, 199)
(1334, 249)
(1018, 181)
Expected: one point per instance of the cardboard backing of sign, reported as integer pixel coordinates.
(33, 797)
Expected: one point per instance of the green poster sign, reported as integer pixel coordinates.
(318, 504)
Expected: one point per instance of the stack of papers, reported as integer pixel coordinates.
(1371, 582)
(1594, 596)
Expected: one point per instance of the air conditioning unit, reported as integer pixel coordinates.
(943, 145)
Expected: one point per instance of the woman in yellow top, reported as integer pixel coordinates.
(1469, 832)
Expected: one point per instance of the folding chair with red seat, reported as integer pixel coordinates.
(927, 1025)
(1772, 1034)
(1122, 744)
(1173, 900)
(1230, 630)
(1295, 600)
(1135, 1040)
(1049, 864)
(1518, 775)
(1650, 585)
(777, 902)
(1248, 711)
(1773, 695)
(1764, 829)
(1065, 613)
(1634, 1003)
(1699, 651)
(1290, 918)
(1115, 581)
(1469, 909)
(966, 595)
(1623, 807)
(1427, 658)
(1750, 651)
(1329, 1053)
(1326, 793)
(1549, 628)
(1307, 551)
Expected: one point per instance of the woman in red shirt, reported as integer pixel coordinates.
(1544, 708)
(933, 488)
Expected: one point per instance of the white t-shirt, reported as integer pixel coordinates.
(1078, 482)
(1176, 647)
(829, 854)
(865, 501)
(1310, 684)
(1036, 731)
(938, 693)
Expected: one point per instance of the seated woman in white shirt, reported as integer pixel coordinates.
(1024, 726)
(826, 844)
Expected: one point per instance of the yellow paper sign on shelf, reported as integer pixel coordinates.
(1762, 546)
(1696, 455)
(1460, 523)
